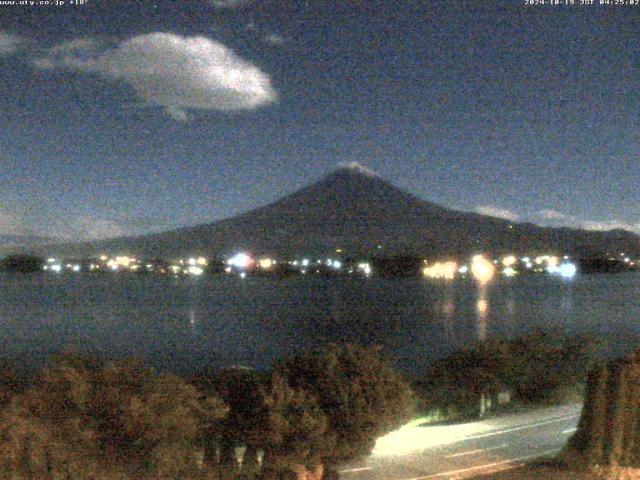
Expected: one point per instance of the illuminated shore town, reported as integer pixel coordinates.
(479, 267)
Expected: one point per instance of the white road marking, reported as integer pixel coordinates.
(351, 470)
(471, 452)
(570, 430)
(522, 427)
(488, 465)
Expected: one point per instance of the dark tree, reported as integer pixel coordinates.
(357, 390)
(21, 263)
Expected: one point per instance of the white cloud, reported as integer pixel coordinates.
(274, 39)
(556, 219)
(611, 225)
(167, 70)
(554, 215)
(230, 3)
(358, 167)
(9, 44)
(497, 212)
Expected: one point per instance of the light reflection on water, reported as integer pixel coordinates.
(184, 324)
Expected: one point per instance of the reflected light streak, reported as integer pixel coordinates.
(482, 309)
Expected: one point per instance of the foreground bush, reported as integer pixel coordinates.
(83, 419)
(541, 367)
(359, 395)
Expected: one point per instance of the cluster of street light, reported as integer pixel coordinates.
(483, 269)
(240, 264)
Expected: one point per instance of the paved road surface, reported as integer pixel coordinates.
(464, 450)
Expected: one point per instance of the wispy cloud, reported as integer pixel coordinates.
(167, 70)
(556, 219)
(497, 212)
(554, 215)
(274, 39)
(230, 3)
(9, 43)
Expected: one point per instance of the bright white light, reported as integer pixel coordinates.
(526, 259)
(305, 262)
(51, 260)
(193, 270)
(243, 274)
(201, 261)
(528, 265)
(565, 270)
(45, 268)
(337, 264)
(76, 268)
(56, 268)
(365, 268)
(192, 261)
(509, 272)
(463, 269)
(482, 269)
(241, 260)
(227, 269)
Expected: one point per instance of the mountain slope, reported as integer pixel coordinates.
(358, 212)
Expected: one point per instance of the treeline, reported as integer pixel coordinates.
(81, 418)
(542, 367)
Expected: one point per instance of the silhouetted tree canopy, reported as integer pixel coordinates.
(357, 390)
(536, 367)
(82, 417)
(21, 263)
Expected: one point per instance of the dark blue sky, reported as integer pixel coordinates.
(121, 118)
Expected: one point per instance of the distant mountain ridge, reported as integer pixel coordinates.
(360, 213)
(9, 243)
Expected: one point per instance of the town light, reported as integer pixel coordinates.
(365, 268)
(240, 260)
(482, 269)
(265, 263)
(193, 270)
(509, 272)
(565, 270)
(509, 261)
(444, 270)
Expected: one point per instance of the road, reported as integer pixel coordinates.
(465, 450)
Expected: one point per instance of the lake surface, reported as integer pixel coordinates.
(183, 324)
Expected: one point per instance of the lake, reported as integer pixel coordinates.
(188, 323)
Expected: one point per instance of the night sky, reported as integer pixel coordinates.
(134, 117)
